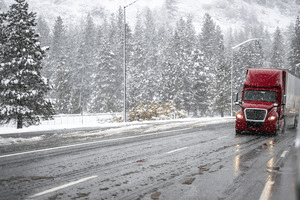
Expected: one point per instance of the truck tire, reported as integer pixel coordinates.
(237, 132)
(277, 131)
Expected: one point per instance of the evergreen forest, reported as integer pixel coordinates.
(165, 62)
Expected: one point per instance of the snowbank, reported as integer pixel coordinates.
(63, 122)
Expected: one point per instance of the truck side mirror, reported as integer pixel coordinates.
(284, 100)
(237, 99)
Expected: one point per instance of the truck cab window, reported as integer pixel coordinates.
(260, 95)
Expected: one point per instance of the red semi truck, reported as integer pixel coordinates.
(270, 101)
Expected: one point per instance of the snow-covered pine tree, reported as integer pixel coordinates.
(164, 34)
(70, 50)
(119, 62)
(136, 66)
(171, 7)
(88, 62)
(142, 66)
(189, 46)
(199, 82)
(179, 67)
(58, 39)
(61, 73)
(212, 46)
(207, 47)
(222, 77)
(278, 53)
(45, 38)
(103, 99)
(97, 76)
(115, 39)
(43, 29)
(186, 56)
(207, 39)
(22, 88)
(294, 56)
(150, 49)
(168, 71)
(222, 98)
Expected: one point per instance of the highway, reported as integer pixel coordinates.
(190, 161)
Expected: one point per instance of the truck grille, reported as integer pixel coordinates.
(255, 124)
(256, 115)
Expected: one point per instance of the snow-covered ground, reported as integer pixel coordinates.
(65, 122)
(100, 120)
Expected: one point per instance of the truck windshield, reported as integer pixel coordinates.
(260, 95)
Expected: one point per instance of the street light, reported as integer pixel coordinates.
(124, 59)
(232, 48)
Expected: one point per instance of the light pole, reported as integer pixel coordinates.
(124, 59)
(232, 48)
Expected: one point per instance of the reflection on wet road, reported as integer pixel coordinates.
(208, 162)
(260, 165)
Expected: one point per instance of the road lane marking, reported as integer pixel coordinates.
(87, 143)
(284, 154)
(62, 186)
(266, 193)
(177, 150)
(41, 150)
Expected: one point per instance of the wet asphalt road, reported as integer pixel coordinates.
(195, 162)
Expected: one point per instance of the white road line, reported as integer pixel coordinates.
(41, 150)
(176, 150)
(74, 145)
(266, 193)
(284, 154)
(62, 186)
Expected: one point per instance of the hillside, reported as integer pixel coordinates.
(226, 13)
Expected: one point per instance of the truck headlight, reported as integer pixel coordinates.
(239, 116)
(271, 118)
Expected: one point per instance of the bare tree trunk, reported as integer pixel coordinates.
(19, 121)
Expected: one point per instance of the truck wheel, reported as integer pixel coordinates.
(277, 131)
(237, 132)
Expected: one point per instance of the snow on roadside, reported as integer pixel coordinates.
(110, 128)
(9, 141)
(8, 129)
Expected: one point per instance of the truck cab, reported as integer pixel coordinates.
(263, 102)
